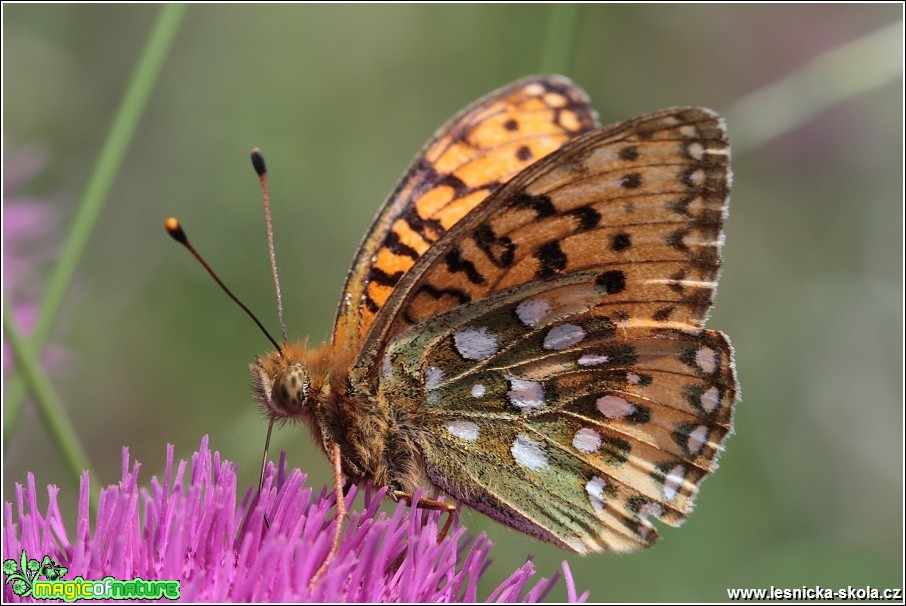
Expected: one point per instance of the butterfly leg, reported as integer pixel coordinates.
(431, 505)
(339, 490)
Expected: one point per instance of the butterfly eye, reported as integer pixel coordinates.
(291, 389)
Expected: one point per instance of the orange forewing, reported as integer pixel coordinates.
(469, 158)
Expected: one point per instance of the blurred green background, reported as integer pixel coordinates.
(810, 490)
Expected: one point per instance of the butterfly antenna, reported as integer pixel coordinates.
(176, 232)
(261, 169)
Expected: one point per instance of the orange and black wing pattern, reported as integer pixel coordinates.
(642, 202)
(468, 159)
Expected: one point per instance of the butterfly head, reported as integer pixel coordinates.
(284, 385)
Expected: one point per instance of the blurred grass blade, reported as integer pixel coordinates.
(837, 75)
(108, 165)
(92, 201)
(51, 410)
(560, 40)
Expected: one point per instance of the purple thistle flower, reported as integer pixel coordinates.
(195, 534)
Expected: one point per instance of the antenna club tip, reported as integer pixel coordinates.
(258, 162)
(175, 230)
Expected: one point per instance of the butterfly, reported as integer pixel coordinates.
(522, 326)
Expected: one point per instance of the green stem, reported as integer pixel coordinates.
(92, 201)
(48, 403)
(559, 43)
